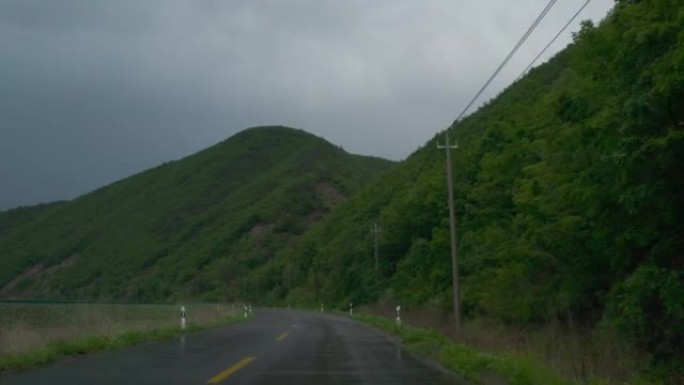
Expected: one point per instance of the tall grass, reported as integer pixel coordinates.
(34, 334)
(597, 356)
(28, 327)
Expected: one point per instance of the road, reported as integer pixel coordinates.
(276, 347)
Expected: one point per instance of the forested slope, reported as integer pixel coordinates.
(569, 197)
(186, 229)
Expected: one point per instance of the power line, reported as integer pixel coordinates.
(448, 146)
(553, 40)
(522, 40)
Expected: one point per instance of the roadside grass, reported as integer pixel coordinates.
(35, 335)
(475, 364)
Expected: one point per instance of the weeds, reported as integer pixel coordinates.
(34, 335)
(477, 364)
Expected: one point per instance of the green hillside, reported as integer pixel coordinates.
(569, 195)
(186, 229)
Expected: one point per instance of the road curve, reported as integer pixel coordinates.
(276, 347)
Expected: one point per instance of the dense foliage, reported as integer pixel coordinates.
(569, 196)
(186, 229)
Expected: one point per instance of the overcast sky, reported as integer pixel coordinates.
(94, 91)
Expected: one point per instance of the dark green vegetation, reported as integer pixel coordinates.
(569, 195)
(186, 229)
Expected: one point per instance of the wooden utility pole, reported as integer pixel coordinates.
(376, 230)
(448, 146)
(256, 291)
(316, 281)
(289, 278)
(199, 285)
(289, 282)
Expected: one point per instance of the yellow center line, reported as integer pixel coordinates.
(226, 373)
(281, 337)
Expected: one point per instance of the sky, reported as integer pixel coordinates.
(95, 91)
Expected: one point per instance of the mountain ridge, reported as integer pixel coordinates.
(271, 174)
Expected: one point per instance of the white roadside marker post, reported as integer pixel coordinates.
(183, 319)
(351, 308)
(245, 308)
(321, 308)
(398, 315)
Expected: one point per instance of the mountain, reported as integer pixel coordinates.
(569, 193)
(186, 229)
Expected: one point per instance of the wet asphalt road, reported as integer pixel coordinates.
(276, 347)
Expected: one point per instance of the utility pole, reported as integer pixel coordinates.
(256, 291)
(376, 230)
(289, 282)
(448, 146)
(316, 281)
(244, 289)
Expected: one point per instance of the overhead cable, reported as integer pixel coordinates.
(508, 58)
(553, 40)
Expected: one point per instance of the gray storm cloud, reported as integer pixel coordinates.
(91, 92)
